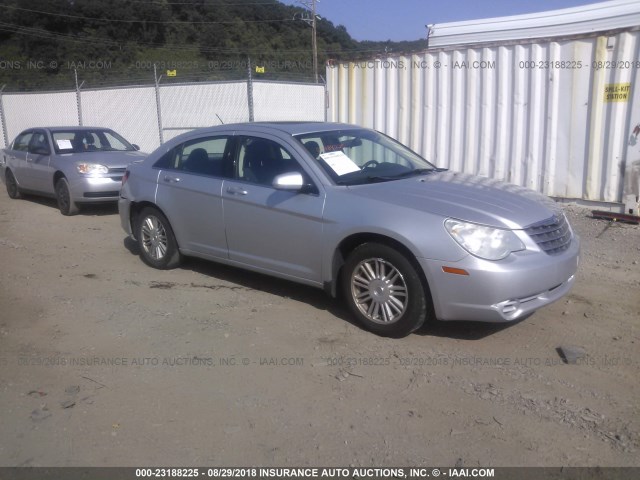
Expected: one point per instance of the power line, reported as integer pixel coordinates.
(38, 33)
(45, 34)
(222, 4)
(160, 22)
(34, 32)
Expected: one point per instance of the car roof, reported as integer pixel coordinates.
(291, 128)
(74, 127)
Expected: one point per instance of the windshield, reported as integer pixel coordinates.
(81, 141)
(357, 156)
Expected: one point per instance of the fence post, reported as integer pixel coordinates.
(326, 98)
(3, 120)
(250, 89)
(158, 107)
(78, 97)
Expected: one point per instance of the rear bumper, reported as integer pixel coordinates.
(502, 291)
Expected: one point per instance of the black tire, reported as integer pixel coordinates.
(13, 190)
(156, 241)
(393, 300)
(63, 196)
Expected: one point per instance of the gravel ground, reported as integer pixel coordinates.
(107, 362)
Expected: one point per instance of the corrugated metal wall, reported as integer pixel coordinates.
(534, 114)
(133, 111)
(632, 155)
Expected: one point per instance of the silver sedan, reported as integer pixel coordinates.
(354, 212)
(75, 165)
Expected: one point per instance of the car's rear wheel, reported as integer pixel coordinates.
(384, 290)
(63, 196)
(156, 241)
(13, 190)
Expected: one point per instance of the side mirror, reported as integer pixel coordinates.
(135, 147)
(292, 182)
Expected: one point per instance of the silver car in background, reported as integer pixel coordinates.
(75, 165)
(354, 212)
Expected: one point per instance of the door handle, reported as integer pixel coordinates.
(169, 179)
(237, 191)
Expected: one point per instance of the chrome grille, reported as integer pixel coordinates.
(553, 235)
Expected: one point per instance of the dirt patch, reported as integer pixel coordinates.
(105, 361)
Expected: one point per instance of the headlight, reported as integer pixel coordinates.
(484, 242)
(91, 168)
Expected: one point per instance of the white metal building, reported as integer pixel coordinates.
(549, 100)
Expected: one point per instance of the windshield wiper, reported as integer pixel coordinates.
(378, 178)
(367, 179)
(410, 173)
(417, 171)
(386, 178)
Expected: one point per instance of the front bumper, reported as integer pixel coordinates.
(502, 291)
(96, 189)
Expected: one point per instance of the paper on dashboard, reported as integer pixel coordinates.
(339, 162)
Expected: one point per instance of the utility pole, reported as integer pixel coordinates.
(314, 43)
(311, 5)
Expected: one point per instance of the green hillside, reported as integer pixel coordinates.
(43, 43)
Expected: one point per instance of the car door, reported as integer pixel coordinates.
(38, 162)
(274, 230)
(17, 160)
(189, 193)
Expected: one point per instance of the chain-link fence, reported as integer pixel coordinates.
(150, 115)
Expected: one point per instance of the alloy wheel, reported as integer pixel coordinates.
(154, 237)
(379, 290)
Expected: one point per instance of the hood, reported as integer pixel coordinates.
(108, 159)
(465, 197)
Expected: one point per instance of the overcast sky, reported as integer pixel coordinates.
(406, 19)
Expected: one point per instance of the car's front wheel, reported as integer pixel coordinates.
(384, 290)
(156, 241)
(63, 196)
(12, 185)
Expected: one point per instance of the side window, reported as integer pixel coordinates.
(21, 143)
(169, 161)
(39, 143)
(203, 156)
(261, 160)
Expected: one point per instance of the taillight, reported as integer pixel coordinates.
(125, 177)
